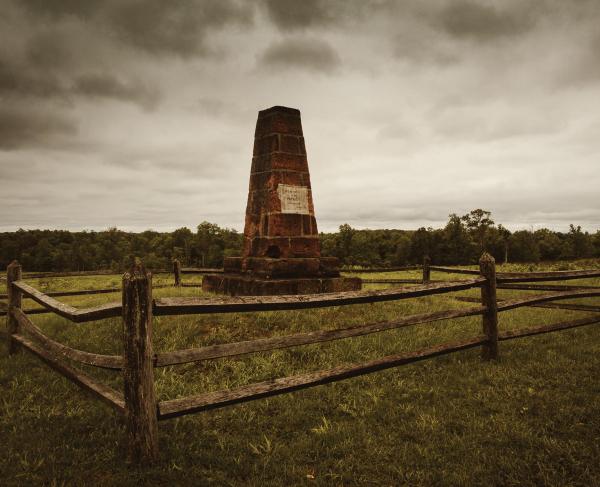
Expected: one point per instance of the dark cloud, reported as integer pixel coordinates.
(303, 53)
(306, 14)
(107, 86)
(60, 8)
(470, 20)
(49, 50)
(179, 28)
(154, 26)
(23, 82)
(31, 128)
(293, 14)
(583, 67)
(18, 81)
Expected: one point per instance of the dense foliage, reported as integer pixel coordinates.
(54, 250)
(461, 241)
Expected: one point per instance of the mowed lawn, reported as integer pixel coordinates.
(531, 418)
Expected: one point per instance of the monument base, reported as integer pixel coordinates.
(243, 285)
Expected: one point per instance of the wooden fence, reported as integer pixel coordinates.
(138, 403)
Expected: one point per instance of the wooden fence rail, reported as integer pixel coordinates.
(565, 306)
(454, 270)
(398, 281)
(506, 277)
(203, 270)
(106, 272)
(277, 343)
(97, 360)
(65, 310)
(101, 391)
(515, 277)
(380, 269)
(138, 402)
(87, 292)
(180, 306)
(543, 287)
(212, 400)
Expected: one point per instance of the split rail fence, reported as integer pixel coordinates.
(137, 402)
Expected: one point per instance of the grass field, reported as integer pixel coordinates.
(532, 418)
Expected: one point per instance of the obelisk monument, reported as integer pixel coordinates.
(282, 252)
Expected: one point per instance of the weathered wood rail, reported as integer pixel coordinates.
(101, 391)
(380, 269)
(89, 314)
(194, 270)
(180, 306)
(137, 307)
(213, 400)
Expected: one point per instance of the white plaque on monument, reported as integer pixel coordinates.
(294, 199)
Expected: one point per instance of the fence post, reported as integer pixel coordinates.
(426, 269)
(138, 371)
(177, 272)
(487, 269)
(13, 273)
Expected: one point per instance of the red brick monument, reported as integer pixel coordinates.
(282, 252)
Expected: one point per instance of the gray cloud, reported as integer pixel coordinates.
(17, 83)
(33, 128)
(295, 15)
(176, 28)
(106, 86)
(61, 8)
(584, 67)
(154, 26)
(305, 53)
(424, 47)
(467, 19)
(291, 14)
(49, 50)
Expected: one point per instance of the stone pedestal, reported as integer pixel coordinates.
(282, 252)
(246, 285)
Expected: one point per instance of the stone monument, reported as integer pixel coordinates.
(282, 252)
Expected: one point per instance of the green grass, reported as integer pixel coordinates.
(532, 418)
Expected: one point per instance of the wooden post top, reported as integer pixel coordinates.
(137, 271)
(487, 258)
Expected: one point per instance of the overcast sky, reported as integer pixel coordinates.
(141, 114)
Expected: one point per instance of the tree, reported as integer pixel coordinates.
(457, 246)
(524, 247)
(346, 234)
(596, 244)
(402, 254)
(420, 245)
(579, 242)
(504, 238)
(182, 240)
(478, 221)
(456, 243)
(549, 243)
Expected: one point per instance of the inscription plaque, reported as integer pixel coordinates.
(294, 199)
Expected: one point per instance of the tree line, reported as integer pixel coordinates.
(57, 250)
(461, 241)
